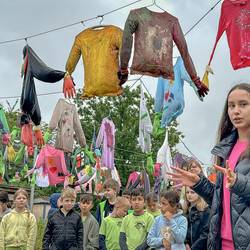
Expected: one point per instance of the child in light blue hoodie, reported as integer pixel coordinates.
(170, 228)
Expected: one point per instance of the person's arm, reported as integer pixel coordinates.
(201, 242)
(205, 189)
(123, 237)
(102, 244)
(31, 232)
(143, 245)
(98, 215)
(80, 234)
(93, 239)
(102, 236)
(48, 234)
(241, 186)
(236, 182)
(123, 241)
(179, 230)
(2, 234)
(152, 240)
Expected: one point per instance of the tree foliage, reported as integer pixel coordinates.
(124, 111)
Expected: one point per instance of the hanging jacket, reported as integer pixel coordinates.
(235, 20)
(169, 97)
(34, 67)
(99, 47)
(145, 126)
(154, 34)
(106, 138)
(198, 226)
(240, 201)
(65, 118)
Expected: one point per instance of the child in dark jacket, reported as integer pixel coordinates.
(198, 221)
(64, 229)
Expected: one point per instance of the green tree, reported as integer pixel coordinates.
(124, 111)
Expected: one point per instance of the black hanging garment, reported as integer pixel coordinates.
(34, 67)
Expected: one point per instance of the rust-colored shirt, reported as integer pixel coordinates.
(153, 47)
(99, 48)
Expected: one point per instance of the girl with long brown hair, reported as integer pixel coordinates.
(229, 197)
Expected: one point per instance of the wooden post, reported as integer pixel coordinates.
(33, 186)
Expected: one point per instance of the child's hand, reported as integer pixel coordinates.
(230, 175)
(168, 215)
(166, 244)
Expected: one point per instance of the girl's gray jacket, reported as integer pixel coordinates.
(240, 198)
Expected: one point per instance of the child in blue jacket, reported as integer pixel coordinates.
(170, 228)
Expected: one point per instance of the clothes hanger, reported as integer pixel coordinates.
(100, 24)
(154, 3)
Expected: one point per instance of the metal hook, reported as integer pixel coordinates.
(101, 16)
(26, 40)
(83, 23)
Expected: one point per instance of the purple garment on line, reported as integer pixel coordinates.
(106, 138)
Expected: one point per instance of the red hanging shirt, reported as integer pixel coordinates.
(235, 20)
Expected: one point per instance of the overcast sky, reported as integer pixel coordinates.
(199, 121)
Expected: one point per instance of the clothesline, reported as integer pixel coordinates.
(60, 92)
(101, 16)
(82, 22)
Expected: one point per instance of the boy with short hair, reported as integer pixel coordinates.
(105, 208)
(135, 226)
(152, 204)
(90, 225)
(64, 229)
(110, 229)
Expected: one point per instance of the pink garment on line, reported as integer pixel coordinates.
(132, 178)
(235, 20)
(226, 227)
(53, 162)
(106, 138)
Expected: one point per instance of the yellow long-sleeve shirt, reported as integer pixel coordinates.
(99, 48)
(18, 229)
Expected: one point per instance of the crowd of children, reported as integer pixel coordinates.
(201, 215)
(131, 221)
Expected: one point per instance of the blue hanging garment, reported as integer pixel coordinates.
(169, 98)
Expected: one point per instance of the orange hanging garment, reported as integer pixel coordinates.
(99, 48)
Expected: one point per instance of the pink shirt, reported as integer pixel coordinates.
(53, 162)
(226, 228)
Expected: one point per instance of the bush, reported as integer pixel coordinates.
(40, 232)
